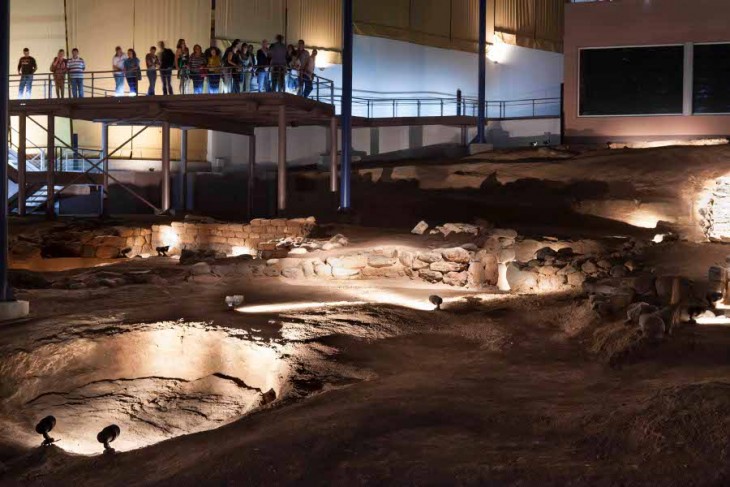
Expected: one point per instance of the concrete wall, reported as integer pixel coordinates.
(636, 23)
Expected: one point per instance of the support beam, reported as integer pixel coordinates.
(105, 170)
(346, 109)
(333, 154)
(165, 198)
(481, 112)
(251, 174)
(51, 168)
(22, 149)
(5, 291)
(183, 169)
(281, 174)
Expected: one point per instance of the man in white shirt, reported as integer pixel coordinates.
(118, 69)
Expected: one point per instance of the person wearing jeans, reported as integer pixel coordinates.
(262, 63)
(75, 68)
(153, 63)
(26, 68)
(118, 69)
(308, 74)
(167, 62)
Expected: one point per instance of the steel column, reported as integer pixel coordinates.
(51, 167)
(105, 154)
(251, 174)
(346, 109)
(6, 293)
(183, 169)
(281, 173)
(165, 199)
(22, 149)
(333, 154)
(481, 115)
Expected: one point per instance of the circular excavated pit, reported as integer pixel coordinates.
(156, 381)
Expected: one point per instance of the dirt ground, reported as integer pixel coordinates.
(495, 389)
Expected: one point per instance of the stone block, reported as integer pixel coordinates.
(445, 267)
(456, 254)
(458, 279)
(379, 261)
(430, 276)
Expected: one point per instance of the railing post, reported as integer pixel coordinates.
(459, 101)
(418, 107)
(533, 108)
(442, 107)
(165, 197)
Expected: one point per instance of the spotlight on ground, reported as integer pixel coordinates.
(124, 252)
(436, 301)
(162, 251)
(234, 301)
(44, 427)
(107, 435)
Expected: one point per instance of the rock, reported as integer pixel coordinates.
(293, 273)
(545, 253)
(470, 247)
(446, 267)
(271, 271)
(358, 261)
(603, 264)
(188, 257)
(506, 242)
(665, 284)
(22, 279)
(340, 240)
(456, 254)
(386, 252)
(418, 264)
(619, 271)
(406, 258)
(652, 326)
(630, 265)
(477, 276)
(458, 279)
(506, 256)
(323, 270)
(550, 283)
(298, 251)
(344, 273)
(448, 228)
(525, 250)
(430, 276)
(112, 282)
(492, 244)
(308, 269)
(548, 270)
(331, 246)
(503, 233)
(378, 261)
(576, 279)
(107, 252)
(567, 270)
(589, 267)
(205, 279)
(565, 253)
(520, 280)
(420, 229)
(635, 310)
(200, 269)
(491, 269)
(430, 257)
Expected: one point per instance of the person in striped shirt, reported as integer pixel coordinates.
(197, 65)
(75, 67)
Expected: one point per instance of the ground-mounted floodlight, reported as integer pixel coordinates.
(436, 301)
(234, 301)
(125, 251)
(107, 435)
(162, 250)
(44, 427)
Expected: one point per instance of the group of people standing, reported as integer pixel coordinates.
(238, 69)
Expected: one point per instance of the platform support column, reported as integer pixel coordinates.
(22, 130)
(51, 168)
(251, 174)
(105, 166)
(333, 154)
(481, 112)
(281, 176)
(165, 167)
(346, 108)
(183, 170)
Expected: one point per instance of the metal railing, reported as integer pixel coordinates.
(66, 160)
(454, 106)
(95, 84)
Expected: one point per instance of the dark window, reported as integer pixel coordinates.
(632, 81)
(712, 79)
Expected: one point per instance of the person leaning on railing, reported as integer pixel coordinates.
(59, 69)
(152, 63)
(262, 63)
(277, 56)
(118, 69)
(182, 63)
(26, 69)
(308, 74)
(249, 61)
(197, 69)
(167, 63)
(132, 71)
(214, 70)
(76, 67)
